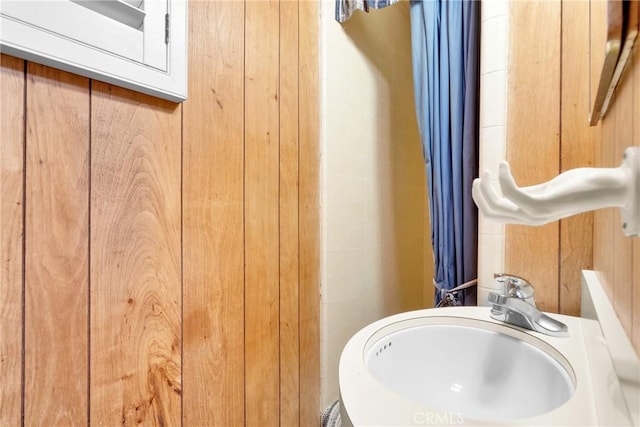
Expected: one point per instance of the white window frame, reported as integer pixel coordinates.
(100, 48)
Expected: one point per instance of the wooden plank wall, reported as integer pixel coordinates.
(12, 105)
(553, 76)
(548, 133)
(577, 144)
(261, 201)
(533, 137)
(135, 258)
(213, 216)
(159, 260)
(309, 220)
(289, 362)
(56, 247)
(617, 259)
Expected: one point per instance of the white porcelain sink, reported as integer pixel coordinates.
(459, 366)
(476, 369)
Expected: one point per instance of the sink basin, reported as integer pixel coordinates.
(478, 370)
(459, 366)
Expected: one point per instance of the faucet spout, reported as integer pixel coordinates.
(519, 312)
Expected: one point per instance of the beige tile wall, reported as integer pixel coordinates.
(376, 252)
(493, 113)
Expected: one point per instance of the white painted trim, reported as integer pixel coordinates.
(596, 305)
(120, 10)
(72, 21)
(155, 49)
(58, 51)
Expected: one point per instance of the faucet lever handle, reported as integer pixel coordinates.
(516, 286)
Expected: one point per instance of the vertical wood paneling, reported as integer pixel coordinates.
(597, 34)
(533, 131)
(137, 255)
(261, 223)
(617, 258)
(289, 255)
(213, 199)
(577, 145)
(56, 242)
(11, 233)
(309, 232)
(605, 218)
(622, 246)
(135, 259)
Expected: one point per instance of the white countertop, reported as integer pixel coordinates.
(598, 399)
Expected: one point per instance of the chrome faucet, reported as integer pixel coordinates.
(516, 306)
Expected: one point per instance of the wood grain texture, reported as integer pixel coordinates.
(599, 234)
(601, 218)
(597, 42)
(309, 234)
(261, 174)
(135, 259)
(213, 211)
(113, 163)
(617, 258)
(56, 245)
(604, 219)
(11, 232)
(622, 246)
(577, 147)
(289, 253)
(533, 131)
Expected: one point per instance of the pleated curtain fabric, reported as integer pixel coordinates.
(445, 45)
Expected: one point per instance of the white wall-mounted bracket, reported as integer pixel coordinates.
(570, 193)
(631, 211)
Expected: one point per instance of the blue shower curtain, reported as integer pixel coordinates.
(445, 44)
